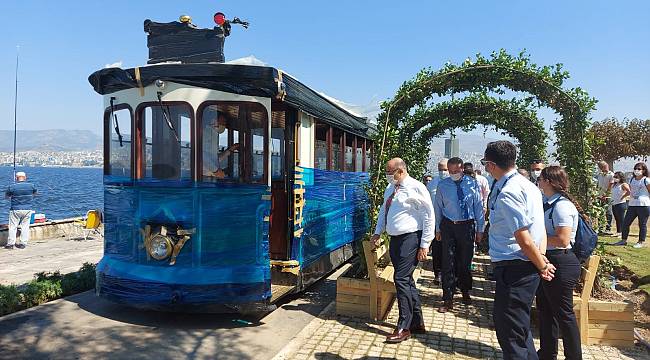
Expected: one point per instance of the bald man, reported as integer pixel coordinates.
(407, 216)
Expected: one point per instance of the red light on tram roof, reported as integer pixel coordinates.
(219, 18)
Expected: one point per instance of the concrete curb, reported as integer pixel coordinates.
(294, 344)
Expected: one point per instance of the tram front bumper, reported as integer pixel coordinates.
(186, 289)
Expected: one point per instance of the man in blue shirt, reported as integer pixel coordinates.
(517, 238)
(21, 194)
(436, 246)
(459, 215)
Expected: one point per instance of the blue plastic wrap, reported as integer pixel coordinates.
(225, 261)
(335, 213)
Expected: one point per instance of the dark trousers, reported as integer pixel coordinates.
(457, 253)
(403, 251)
(642, 212)
(555, 305)
(619, 215)
(516, 284)
(436, 255)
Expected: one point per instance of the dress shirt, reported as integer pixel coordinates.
(564, 214)
(484, 185)
(448, 205)
(410, 210)
(604, 179)
(432, 186)
(514, 206)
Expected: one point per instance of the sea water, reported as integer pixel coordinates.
(62, 192)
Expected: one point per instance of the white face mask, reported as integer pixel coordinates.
(391, 179)
(537, 173)
(443, 174)
(616, 180)
(638, 172)
(456, 177)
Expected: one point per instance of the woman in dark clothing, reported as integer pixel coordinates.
(555, 297)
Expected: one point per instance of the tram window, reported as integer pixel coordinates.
(337, 139)
(277, 144)
(119, 159)
(358, 165)
(349, 152)
(320, 146)
(225, 137)
(167, 146)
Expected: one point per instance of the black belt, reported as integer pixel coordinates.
(513, 262)
(459, 222)
(557, 251)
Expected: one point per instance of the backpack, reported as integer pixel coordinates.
(586, 237)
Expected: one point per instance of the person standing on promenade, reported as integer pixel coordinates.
(484, 186)
(555, 298)
(639, 205)
(517, 239)
(459, 224)
(536, 167)
(407, 216)
(21, 194)
(436, 246)
(605, 181)
(620, 198)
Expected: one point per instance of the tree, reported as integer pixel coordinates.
(614, 139)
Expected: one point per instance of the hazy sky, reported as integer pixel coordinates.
(357, 51)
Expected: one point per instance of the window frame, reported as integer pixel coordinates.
(140, 162)
(246, 161)
(107, 137)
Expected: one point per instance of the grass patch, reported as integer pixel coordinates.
(46, 286)
(636, 260)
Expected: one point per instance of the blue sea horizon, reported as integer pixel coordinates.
(63, 192)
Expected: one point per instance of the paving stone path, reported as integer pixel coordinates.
(466, 333)
(65, 254)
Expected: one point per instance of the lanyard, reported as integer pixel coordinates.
(499, 190)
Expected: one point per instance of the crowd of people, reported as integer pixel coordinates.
(530, 221)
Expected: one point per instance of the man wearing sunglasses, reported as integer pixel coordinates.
(517, 237)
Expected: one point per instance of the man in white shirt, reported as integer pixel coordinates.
(484, 185)
(605, 181)
(407, 216)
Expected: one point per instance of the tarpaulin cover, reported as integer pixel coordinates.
(237, 79)
(176, 41)
(335, 213)
(225, 261)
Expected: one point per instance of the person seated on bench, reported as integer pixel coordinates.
(555, 298)
(407, 216)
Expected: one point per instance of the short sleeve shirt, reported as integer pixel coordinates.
(564, 214)
(514, 206)
(603, 181)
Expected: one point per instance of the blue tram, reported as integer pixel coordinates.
(225, 186)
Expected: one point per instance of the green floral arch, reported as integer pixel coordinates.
(514, 117)
(496, 74)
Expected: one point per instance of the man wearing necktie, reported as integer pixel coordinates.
(460, 220)
(407, 216)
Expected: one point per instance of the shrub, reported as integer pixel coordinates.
(10, 299)
(38, 292)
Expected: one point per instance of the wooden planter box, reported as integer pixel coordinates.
(610, 323)
(353, 299)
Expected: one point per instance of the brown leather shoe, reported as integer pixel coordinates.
(418, 329)
(398, 336)
(448, 305)
(466, 298)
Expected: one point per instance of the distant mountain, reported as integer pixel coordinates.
(50, 140)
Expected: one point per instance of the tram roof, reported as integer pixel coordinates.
(238, 79)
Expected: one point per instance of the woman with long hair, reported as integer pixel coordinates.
(639, 205)
(555, 297)
(620, 194)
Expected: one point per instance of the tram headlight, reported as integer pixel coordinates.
(160, 247)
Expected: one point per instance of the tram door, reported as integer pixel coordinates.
(279, 153)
